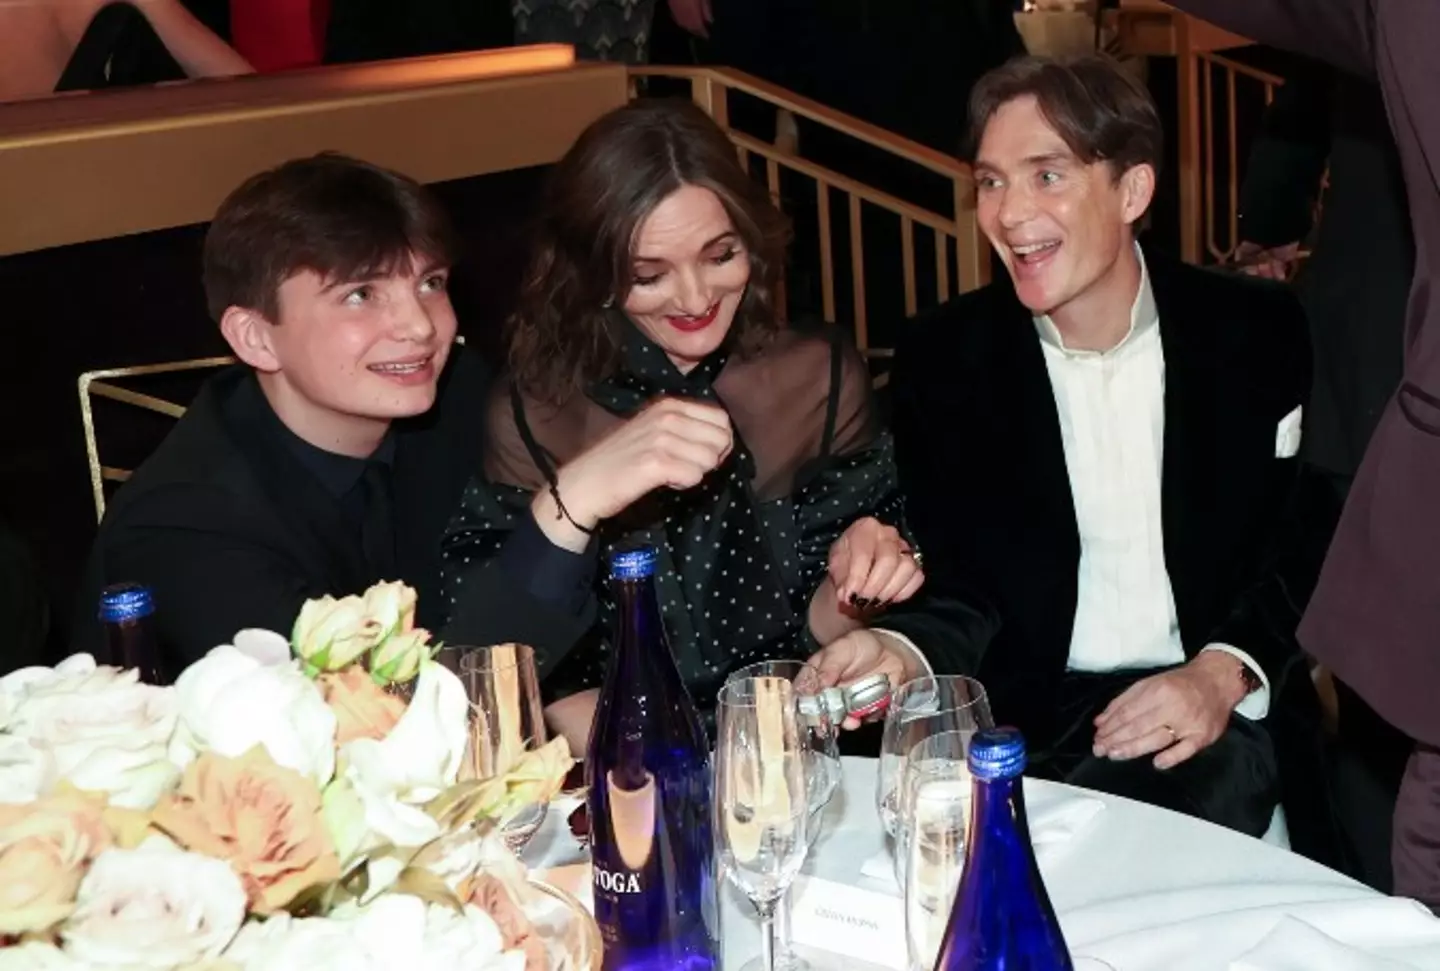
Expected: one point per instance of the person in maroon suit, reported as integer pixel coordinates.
(1375, 617)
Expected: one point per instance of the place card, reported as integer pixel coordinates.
(865, 926)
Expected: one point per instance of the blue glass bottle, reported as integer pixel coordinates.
(127, 612)
(648, 769)
(1002, 919)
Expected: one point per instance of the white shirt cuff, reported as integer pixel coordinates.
(1255, 705)
(909, 645)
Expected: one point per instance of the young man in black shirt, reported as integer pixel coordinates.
(331, 457)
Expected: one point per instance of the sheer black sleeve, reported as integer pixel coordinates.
(504, 580)
(855, 476)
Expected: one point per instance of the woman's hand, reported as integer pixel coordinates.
(871, 566)
(674, 443)
(571, 716)
(862, 653)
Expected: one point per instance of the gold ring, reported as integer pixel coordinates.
(1174, 735)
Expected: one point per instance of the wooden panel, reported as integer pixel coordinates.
(111, 164)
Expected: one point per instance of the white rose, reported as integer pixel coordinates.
(230, 702)
(468, 940)
(264, 646)
(383, 785)
(105, 730)
(284, 943)
(332, 634)
(401, 931)
(391, 608)
(38, 957)
(17, 683)
(27, 771)
(399, 658)
(154, 907)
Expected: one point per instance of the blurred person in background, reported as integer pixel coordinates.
(1353, 285)
(603, 30)
(49, 46)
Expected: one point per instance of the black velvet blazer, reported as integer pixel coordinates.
(982, 465)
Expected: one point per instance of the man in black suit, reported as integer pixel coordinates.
(332, 457)
(1101, 450)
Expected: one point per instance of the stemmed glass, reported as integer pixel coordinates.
(920, 708)
(935, 792)
(821, 738)
(506, 720)
(762, 808)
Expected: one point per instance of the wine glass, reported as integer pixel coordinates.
(506, 721)
(821, 738)
(920, 708)
(940, 758)
(935, 794)
(762, 805)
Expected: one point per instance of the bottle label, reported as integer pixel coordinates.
(617, 881)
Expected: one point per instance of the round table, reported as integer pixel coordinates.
(1138, 887)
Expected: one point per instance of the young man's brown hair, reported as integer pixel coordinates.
(340, 217)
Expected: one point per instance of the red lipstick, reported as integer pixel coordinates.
(690, 325)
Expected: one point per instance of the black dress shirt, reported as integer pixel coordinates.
(234, 522)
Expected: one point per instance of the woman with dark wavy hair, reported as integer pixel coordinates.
(655, 394)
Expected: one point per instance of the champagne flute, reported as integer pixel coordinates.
(821, 738)
(930, 853)
(920, 708)
(761, 795)
(506, 721)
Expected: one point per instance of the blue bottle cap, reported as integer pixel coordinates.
(125, 601)
(997, 753)
(636, 564)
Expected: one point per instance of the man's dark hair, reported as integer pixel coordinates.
(339, 217)
(1102, 113)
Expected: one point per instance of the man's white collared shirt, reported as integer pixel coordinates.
(1111, 406)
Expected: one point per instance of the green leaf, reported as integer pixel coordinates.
(443, 804)
(419, 882)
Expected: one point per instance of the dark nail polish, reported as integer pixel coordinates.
(854, 600)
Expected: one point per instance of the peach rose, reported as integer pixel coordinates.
(516, 930)
(362, 708)
(45, 848)
(263, 818)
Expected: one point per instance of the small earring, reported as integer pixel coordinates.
(609, 302)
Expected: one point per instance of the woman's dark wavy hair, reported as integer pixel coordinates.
(561, 337)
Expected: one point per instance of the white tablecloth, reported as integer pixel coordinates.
(1141, 888)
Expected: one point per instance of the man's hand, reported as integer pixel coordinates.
(860, 654)
(1177, 713)
(673, 443)
(1275, 263)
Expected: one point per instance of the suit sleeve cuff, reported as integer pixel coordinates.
(1256, 705)
(907, 644)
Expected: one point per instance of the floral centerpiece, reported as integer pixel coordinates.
(280, 807)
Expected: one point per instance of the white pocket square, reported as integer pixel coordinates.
(1287, 435)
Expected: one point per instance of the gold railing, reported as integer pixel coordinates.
(1222, 205)
(100, 384)
(961, 256)
(1194, 44)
